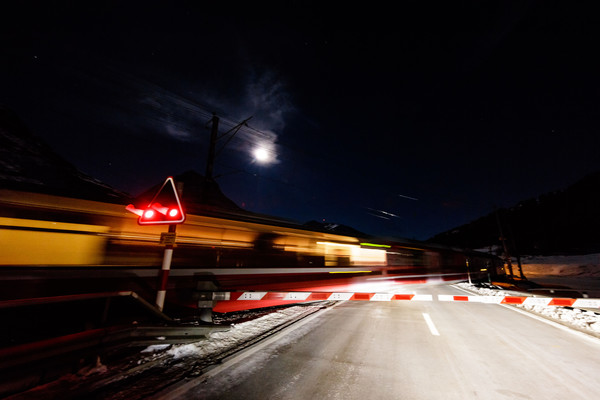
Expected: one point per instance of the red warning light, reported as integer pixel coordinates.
(149, 214)
(156, 212)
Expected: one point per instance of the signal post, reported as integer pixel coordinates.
(164, 209)
(169, 241)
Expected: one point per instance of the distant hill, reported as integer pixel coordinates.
(28, 164)
(562, 222)
(337, 229)
(204, 197)
(196, 193)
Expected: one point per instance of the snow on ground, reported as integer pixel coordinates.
(220, 342)
(584, 320)
(581, 273)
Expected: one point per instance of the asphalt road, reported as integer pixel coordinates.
(412, 350)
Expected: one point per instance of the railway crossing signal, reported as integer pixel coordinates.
(165, 208)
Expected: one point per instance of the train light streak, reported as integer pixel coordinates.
(376, 245)
(332, 244)
(350, 272)
(237, 254)
(357, 255)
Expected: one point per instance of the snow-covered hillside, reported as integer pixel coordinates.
(580, 272)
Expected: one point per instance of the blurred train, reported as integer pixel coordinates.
(52, 245)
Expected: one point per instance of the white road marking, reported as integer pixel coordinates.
(430, 324)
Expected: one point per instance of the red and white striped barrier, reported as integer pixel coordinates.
(320, 296)
(525, 300)
(314, 296)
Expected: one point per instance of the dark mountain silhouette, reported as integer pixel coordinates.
(337, 229)
(28, 164)
(200, 196)
(562, 222)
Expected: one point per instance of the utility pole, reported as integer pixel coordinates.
(514, 246)
(214, 138)
(468, 271)
(506, 253)
(211, 149)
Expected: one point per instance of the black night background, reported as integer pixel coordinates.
(399, 120)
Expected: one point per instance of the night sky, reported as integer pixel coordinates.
(403, 121)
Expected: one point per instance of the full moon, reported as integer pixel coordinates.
(261, 155)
